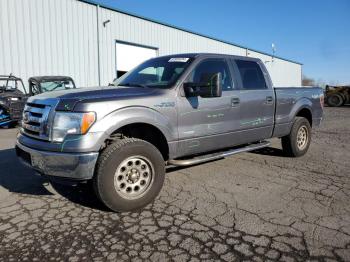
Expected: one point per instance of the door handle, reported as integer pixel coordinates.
(269, 100)
(235, 101)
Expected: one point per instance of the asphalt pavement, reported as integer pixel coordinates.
(254, 206)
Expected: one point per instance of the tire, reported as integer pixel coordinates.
(346, 99)
(335, 100)
(129, 174)
(298, 141)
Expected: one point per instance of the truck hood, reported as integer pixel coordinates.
(97, 93)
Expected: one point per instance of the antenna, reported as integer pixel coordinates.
(273, 46)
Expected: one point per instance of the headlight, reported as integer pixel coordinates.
(71, 123)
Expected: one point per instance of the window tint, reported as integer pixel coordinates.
(251, 75)
(206, 69)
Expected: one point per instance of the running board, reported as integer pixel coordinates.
(215, 156)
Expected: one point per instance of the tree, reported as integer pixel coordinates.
(307, 81)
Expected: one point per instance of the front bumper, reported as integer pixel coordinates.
(77, 166)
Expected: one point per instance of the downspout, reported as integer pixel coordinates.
(98, 45)
(301, 77)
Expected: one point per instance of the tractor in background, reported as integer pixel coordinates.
(337, 95)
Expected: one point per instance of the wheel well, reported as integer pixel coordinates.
(148, 133)
(306, 113)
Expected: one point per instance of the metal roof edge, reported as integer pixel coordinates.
(92, 2)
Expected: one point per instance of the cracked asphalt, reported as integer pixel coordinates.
(255, 206)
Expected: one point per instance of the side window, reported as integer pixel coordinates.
(251, 75)
(207, 68)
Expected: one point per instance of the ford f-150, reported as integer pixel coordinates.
(174, 110)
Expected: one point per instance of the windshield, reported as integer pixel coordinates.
(56, 85)
(155, 73)
(11, 85)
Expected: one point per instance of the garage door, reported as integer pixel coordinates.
(129, 56)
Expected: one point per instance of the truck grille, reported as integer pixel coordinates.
(35, 120)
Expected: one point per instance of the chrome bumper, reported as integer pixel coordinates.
(79, 166)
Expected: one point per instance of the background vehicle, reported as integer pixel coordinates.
(13, 96)
(42, 84)
(174, 110)
(337, 95)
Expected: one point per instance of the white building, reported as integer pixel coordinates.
(92, 42)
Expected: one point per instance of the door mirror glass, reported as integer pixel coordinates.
(209, 86)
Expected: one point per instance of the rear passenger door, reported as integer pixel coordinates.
(256, 100)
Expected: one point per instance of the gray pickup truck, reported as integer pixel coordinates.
(174, 110)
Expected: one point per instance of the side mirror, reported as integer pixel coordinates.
(210, 88)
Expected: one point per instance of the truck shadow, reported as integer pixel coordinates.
(81, 194)
(269, 151)
(17, 178)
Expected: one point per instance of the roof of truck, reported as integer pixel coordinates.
(193, 55)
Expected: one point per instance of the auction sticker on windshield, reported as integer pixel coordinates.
(179, 59)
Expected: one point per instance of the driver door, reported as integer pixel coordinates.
(204, 123)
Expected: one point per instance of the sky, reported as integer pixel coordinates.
(315, 33)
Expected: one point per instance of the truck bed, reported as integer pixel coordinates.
(290, 100)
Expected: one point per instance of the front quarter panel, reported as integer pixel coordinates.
(165, 122)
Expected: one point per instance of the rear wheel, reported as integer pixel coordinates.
(129, 174)
(335, 100)
(298, 141)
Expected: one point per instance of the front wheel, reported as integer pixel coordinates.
(129, 174)
(298, 141)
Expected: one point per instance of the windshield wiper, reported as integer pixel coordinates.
(134, 84)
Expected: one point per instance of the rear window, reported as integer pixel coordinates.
(251, 75)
